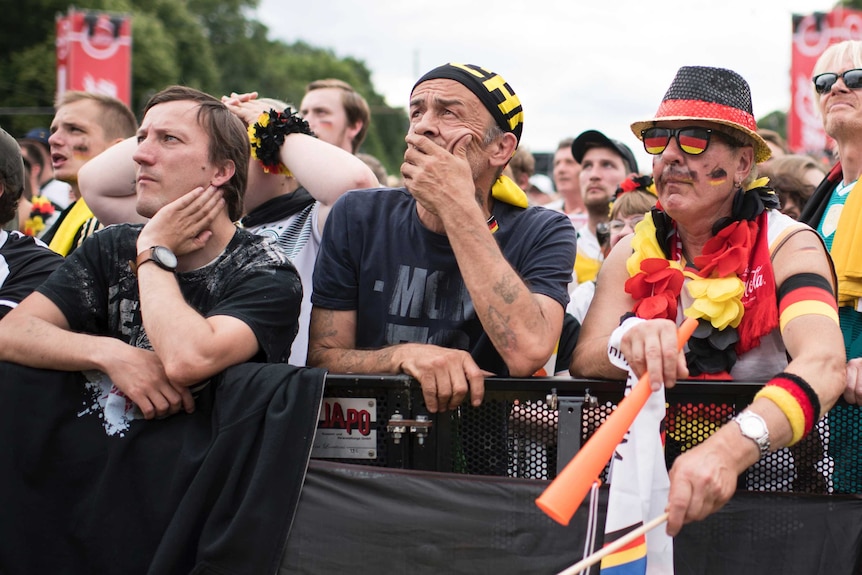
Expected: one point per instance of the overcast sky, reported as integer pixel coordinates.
(575, 64)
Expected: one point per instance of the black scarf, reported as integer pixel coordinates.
(815, 207)
(279, 208)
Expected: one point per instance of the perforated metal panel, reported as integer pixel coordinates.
(840, 436)
(516, 432)
(592, 417)
(688, 424)
(532, 440)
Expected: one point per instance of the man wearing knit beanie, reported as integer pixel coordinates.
(451, 278)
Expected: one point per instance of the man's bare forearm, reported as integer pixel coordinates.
(513, 317)
(356, 360)
(332, 341)
(312, 162)
(191, 346)
(36, 342)
(590, 359)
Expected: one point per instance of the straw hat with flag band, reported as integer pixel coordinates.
(498, 97)
(709, 95)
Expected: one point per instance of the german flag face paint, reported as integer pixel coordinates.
(693, 141)
(717, 177)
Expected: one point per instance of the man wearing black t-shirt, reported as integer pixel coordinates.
(161, 307)
(24, 262)
(453, 277)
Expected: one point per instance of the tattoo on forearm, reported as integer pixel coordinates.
(365, 361)
(356, 360)
(507, 289)
(325, 325)
(350, 362)
(499, 330)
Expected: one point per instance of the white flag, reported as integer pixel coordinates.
(639, 488)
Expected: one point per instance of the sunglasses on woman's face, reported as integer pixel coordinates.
(824, 82)
(692, 141)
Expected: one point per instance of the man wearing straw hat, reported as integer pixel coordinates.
(717, 249)
(452, 277)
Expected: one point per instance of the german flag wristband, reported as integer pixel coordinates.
(796, 399)
(266, 137)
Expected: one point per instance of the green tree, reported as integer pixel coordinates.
(207, 44)
(173, 47)
(169, 46)
(775, 121)
(298, 64)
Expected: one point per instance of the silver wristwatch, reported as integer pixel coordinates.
(753, 427)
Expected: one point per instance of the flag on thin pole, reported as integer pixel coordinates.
(639, 488)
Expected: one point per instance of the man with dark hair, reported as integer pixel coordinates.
(288, 207)
(221, 149)
(161, 307)
(605, 164)
(24, 262)
(336, 113)
(452, 277)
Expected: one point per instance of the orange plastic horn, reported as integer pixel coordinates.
(565, 493)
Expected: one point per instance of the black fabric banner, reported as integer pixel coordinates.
(356, 519)
(366, 520)
(210, 492)
(787, 533)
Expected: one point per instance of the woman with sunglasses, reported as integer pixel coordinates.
(835, 211)
(716, 248)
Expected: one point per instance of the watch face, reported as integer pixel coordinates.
(752, 427)
(165, 257)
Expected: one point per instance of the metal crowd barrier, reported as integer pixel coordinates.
(530, 428)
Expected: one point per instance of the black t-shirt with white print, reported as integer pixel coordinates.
(25, 263)
(251, 281)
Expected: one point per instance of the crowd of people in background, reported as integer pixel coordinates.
(468, 264)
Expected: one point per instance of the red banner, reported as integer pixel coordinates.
(812, 34)
(94, 54)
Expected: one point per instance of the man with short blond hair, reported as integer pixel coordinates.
(566, 175)
(834, 211)
(84, 125)
(336, 113)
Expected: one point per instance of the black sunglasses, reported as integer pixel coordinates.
(824, 82)
(692, 141)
